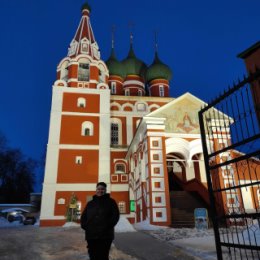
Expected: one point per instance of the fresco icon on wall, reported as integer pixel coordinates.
(187, 125)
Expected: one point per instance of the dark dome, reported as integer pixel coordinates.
(134, 66)
(114, 66)
(158, 70)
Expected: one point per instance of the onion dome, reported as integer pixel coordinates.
(86, 6)
(114, 66)
(158, 70)
(134, 66)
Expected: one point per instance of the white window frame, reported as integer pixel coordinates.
(113, 87)
(120, 164)
(122, 207)
(81, 102)
(161, 91)
(127, 92)
(78, 159)
(119, 123)
(87, 125)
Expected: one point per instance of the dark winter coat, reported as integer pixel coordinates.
(99, 218)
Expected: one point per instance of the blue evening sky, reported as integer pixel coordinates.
(199, 40)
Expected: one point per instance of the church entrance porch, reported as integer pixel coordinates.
(185, 194)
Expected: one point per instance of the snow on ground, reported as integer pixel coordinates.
(71, 224)
(123, 225)
(145, 225)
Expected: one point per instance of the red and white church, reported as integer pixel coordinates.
(114, 121)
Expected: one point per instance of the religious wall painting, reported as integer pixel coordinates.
(182, 118)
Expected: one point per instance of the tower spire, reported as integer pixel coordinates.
(156, 41)
(131, 26)
(84, 41)
(113, 36)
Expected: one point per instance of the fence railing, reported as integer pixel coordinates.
(231, 145)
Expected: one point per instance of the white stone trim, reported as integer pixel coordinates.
(157, 84)
(119, 187)
(127, 105)
(163, 200)
(117, 105)
(162, 184)
(161, 210)
(133, 82)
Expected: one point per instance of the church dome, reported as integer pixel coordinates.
(158, 70)
(134, 66)
(114, 66)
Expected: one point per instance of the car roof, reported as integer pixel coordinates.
(13, 209)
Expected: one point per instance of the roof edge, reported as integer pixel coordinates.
(249, 50)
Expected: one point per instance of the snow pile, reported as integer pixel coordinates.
(145, 225)
(168, 234)
(4, 223)
(123, 225)
(196, 243)
(71, 224)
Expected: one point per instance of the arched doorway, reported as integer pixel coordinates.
(176, 170)
(186, 191)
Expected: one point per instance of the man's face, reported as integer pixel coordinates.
(100, 191)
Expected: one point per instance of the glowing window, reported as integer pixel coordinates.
(122, 207)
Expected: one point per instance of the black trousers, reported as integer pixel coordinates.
(98, 249)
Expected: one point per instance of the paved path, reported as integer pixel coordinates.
(144, 247)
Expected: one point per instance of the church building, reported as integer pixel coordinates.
(114, 121)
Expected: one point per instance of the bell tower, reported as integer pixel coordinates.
(78, 151)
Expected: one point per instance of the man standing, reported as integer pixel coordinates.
(98, 220)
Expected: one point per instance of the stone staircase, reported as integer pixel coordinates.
(183, 204)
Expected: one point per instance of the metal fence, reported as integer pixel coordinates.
(231, 145)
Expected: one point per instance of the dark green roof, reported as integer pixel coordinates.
(134, 66)
(115, 67)
(158, 70)
(249, 51)
(86, 6)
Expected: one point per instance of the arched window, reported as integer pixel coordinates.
(81, 102)
(120, 168)
(87, 129)
(113, 87)
(122, 207)
(141, 107)
(116, 131)
(64, 71)
(83, 72)
(114, 134)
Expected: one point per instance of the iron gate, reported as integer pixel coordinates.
(231, 145)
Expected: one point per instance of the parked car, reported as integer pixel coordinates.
(14, 214)
(30, 218)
